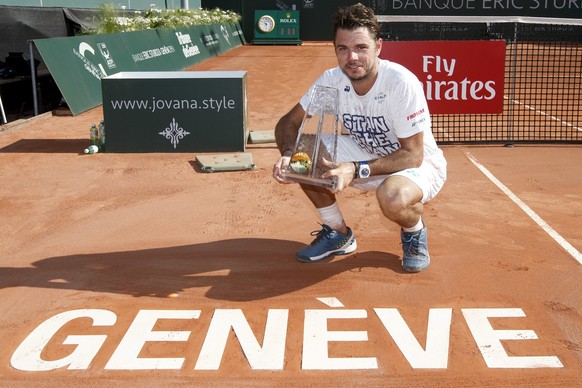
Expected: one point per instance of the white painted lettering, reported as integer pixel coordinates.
(270, 356)
(27, 356)
(437, 337)
(316, 338)
(489, 340)
(126, 356)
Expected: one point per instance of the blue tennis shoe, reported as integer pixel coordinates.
(328, 242)
(415, 250)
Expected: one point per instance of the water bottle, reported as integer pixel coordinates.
(101, 143)
(94, 135)
(92, 149)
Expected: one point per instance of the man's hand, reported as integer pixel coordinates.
(343, 172)
(279, 167)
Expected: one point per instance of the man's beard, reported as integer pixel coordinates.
(362, 77)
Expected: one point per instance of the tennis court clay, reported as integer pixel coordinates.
(141, 270)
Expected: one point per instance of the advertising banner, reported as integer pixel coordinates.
(183, 111)
(459, 77)
(78, 63)
(186, 46)
(529, 8)
(147, 51)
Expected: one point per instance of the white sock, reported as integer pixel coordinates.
(419, 225)
(332, 216)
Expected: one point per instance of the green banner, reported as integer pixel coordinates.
(186, 46)
(78, 63)
(149, 52)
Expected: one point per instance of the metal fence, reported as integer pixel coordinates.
(543, 80)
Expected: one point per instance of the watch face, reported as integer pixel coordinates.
(364, 170)
(266, 23)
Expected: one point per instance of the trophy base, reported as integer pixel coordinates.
(300, 178)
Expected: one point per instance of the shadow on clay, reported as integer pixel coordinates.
(47, 146)
(236, 270)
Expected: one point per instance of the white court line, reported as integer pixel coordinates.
(331, 302)
(541, 112)
(544, 225)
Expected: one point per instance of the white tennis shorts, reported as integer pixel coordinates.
(430, 176)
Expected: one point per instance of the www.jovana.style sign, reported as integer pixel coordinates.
(190, 111)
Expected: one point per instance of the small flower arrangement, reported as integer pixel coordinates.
(112, 20)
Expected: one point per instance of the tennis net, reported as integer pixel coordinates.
(543, 76)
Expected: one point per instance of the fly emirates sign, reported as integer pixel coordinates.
(457, 76)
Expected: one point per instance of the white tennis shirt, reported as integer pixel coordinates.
(394, 108)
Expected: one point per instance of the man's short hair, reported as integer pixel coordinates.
(356, 16)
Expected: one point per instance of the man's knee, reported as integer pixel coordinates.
(390, 198)
(396, 194)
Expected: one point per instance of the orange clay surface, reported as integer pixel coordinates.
(121, 236)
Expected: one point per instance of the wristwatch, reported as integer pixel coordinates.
(362, 170)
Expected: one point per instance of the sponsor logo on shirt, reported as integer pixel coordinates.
(410, 117)
(371, 132)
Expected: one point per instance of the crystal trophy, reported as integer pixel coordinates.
(316, 140)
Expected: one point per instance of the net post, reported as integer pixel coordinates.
(33, 77)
